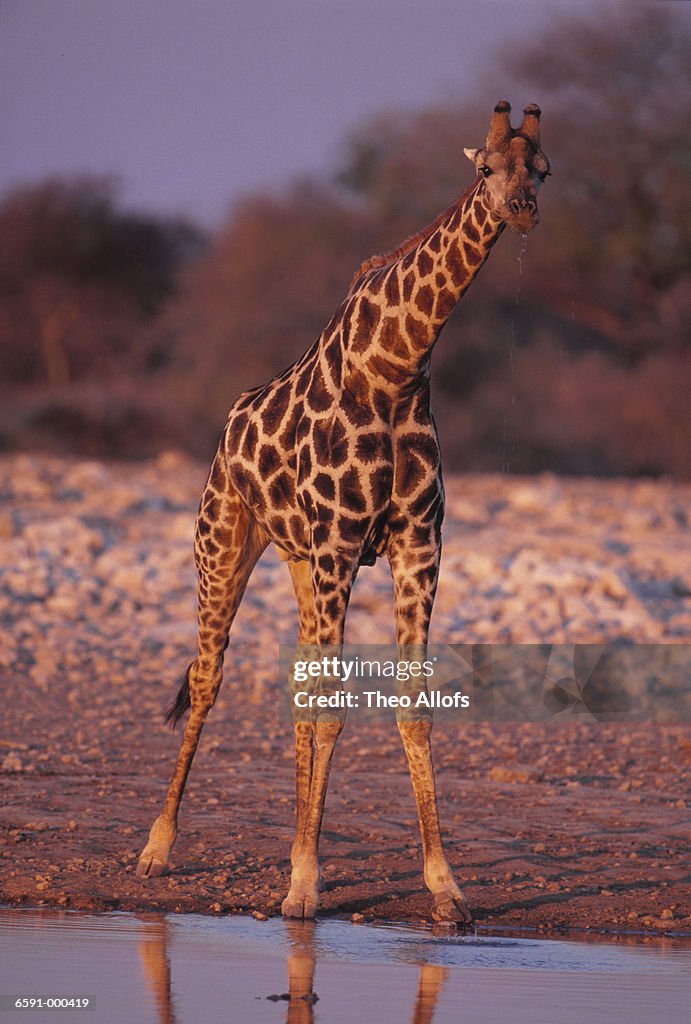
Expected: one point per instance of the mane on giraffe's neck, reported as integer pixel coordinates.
(384, 259)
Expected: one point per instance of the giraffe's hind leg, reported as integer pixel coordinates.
(228, 543)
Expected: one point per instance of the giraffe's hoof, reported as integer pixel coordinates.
(151, 867)
(452, 908)
(302, 908)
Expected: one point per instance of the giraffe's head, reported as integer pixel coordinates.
(512, 166)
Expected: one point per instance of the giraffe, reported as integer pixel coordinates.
(336, 462)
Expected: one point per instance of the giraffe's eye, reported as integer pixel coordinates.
(485, 171)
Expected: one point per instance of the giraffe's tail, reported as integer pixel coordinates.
(182, 702)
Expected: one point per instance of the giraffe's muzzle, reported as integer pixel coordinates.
(523, 213)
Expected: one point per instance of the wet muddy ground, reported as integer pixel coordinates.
(552, 825)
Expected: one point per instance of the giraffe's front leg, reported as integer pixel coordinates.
(449, 902)
(322, 602)
(415, 570)
(304, 893)
(303, 898)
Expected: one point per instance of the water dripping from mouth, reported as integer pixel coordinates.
(509, 423)
(522, 251)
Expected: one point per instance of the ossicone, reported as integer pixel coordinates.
(500, 125)
(530, 128)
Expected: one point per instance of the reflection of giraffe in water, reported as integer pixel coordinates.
(302, 997)
(336, 462)
(155, 960)
(301, 965)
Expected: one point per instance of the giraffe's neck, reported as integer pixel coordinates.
(402, 301)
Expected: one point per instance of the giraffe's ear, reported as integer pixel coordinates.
(471, 154)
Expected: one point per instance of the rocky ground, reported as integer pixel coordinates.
(567, 823)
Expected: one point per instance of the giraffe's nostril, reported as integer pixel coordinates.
(521, 204)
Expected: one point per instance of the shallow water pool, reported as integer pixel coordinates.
(156, 969)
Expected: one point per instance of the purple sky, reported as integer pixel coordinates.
(194, 102)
